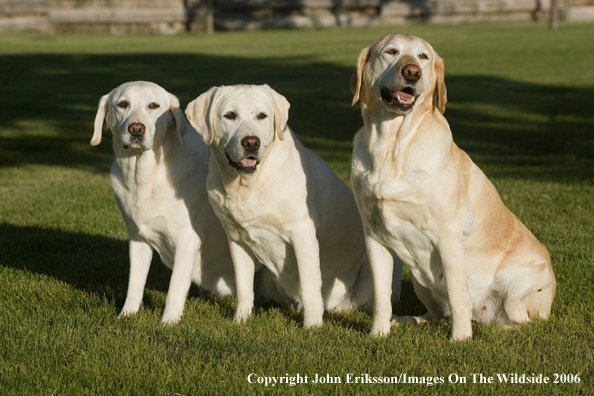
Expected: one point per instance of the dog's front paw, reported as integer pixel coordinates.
(380, 329)
(171, 317)
(127, 312)
(312, 323)
(313, 317)
(460, 335)
(242, 315)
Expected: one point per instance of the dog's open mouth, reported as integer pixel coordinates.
(246, 165)
(404, 99)
(134, 144)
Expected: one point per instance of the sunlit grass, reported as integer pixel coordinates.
(521, 102)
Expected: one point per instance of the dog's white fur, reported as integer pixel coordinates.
(292, 214)
(421, 197)
(159, 182)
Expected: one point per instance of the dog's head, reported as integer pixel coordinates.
(240, 123)
(139, 115)
(399, 72)
(531, 290)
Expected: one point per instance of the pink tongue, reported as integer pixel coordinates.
(248, 162)
(404, 96)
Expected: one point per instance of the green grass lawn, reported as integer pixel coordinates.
(521, 103)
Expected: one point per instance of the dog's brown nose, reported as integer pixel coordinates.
(136, 129)
(251, 143)
(411, 73)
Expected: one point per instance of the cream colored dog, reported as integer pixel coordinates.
(281, 205)
(422, 198)
(159, 180)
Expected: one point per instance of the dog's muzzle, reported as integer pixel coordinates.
(403, 99)
(247, 165)
(251, 145)
(136, 130)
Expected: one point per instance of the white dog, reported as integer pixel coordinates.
(281, 205)
(159, 180)
(421, 197)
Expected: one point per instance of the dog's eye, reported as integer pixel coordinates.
(539, 290)
(262, 116)
(391, 51)
(230, 115)
(123, 104)
(424, 56)
(154, 106)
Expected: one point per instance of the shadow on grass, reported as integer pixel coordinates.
(58, 95)
(409, 305)
(91, 263)
(99, 265)
(517, 129)
(523, 131)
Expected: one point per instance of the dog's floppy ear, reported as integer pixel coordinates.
(440, 93)
(101, 119)
(200, 113)
(178, 117)
(280, 106)
(357, 77)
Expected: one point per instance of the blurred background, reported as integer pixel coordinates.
(173, 16)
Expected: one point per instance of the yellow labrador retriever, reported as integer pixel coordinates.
(282, 206)
(422, 198)
(159, 180)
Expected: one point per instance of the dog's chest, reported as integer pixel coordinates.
(256, 223)
(392, 202)
(395, 216)
(152, 212)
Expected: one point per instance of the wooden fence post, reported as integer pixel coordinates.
(554, 19)
(210, 25)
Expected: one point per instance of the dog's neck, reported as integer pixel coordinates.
(139, 166)
(388, 136)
